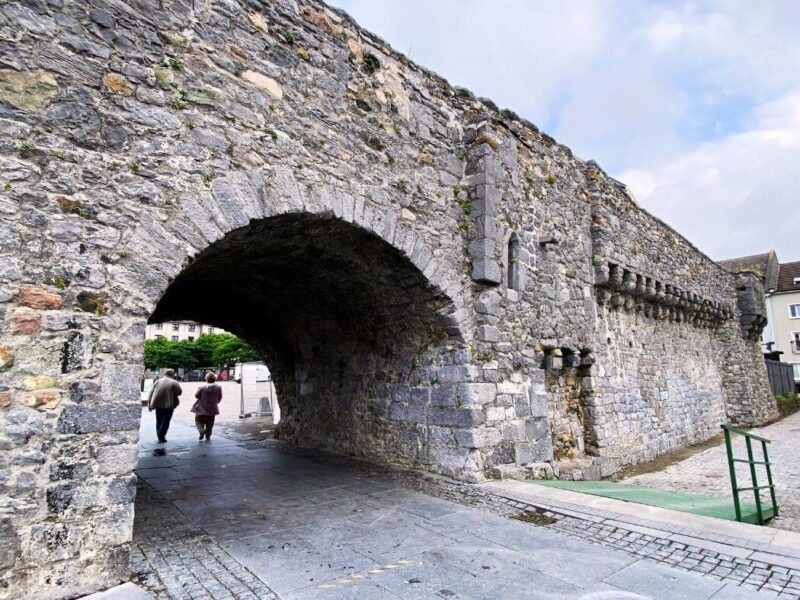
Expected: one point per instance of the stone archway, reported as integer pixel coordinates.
(354, 333)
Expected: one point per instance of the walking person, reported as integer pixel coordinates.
(164, 400)
(206, 408)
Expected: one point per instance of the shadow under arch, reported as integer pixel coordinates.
(353, 332)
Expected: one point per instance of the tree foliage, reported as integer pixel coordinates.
(211, 350)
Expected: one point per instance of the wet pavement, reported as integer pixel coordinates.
(237, 519)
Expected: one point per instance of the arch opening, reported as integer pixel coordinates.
(353, 333)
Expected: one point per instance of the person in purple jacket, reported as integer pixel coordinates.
(205, 409)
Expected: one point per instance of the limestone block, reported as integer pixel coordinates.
(455, 417)
(482, 437)
(554, 363)
(117, 460)
(538, 403)
(487, 271)
(488, 303)
(82, 419)
(260, 80)
(488, 333)
(121, 382)
(477, 393)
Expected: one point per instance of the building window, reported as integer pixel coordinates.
(794, 311)
(175, 327)
(191, 327)
(159, 337)
(174, 338)
(159, 326)
(191, 338)
(513, 262)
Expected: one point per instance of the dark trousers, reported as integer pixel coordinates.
(204, 423)
(163, 417)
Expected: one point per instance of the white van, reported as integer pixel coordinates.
(258, 368)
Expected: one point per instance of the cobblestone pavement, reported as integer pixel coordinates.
(707, 471)
(225, 519)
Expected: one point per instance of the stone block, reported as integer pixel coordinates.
(9, 545)
(482, 437)
(6, 358)
(488, 333)
(455, 373)
(554, 363)
(46, 399)
(537, 429)
(477, 393)
(39, 299)
(488, 303)
(120, 382)
(82, 418)
(84, 391)
(483, 248)
(445, 394)
(455, 417)
(538, 403)
(25, 322)
(485, 270)
(121, 490)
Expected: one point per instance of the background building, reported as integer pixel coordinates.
(179, 331)
(782, 292)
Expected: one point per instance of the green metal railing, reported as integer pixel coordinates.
(762, 513)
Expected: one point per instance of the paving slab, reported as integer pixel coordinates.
(313, 525)
(126, 591)
(662, 583)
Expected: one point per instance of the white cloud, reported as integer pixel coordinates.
(736, 196)
(694, 104)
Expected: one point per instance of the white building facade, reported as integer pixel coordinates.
(180, 331)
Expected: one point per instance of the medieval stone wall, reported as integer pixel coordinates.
(432, 281)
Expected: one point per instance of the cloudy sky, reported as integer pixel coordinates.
(695, 105)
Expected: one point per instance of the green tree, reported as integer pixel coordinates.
(231, 350)
(211, 350)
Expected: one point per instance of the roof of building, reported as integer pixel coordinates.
(788, 273)
(766, 265)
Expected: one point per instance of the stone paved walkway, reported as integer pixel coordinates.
(227, 519)
(707, 471)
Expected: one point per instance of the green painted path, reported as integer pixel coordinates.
(721, 508)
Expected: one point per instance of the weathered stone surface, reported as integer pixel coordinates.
(43, 399)
(407, 259)
(116, 84)
(28, 90)
(83, 419)
(38, 382)
(264, 82)
(6, 358)
(40, 299)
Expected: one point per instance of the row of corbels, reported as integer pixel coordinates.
(623, 288)
(567, 358)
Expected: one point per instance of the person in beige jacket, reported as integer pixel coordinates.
(164, 400)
